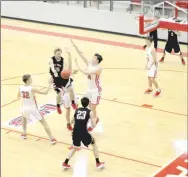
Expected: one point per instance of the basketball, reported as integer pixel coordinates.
(65, 74)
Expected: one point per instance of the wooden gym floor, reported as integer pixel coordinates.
(134, 141)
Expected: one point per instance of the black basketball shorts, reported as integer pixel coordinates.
(172, 45)
(59, 83)
(83, 137)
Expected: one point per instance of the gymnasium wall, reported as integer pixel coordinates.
(117, 22)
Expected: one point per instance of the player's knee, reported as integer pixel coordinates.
(92, 141)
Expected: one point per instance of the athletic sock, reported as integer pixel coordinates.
(66, 161)
(73, 102)
(97, 160)
(58, 105)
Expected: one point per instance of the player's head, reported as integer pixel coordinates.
(57, 52)
(27, 79)
(85, 102)
(149, 40)
(97, 58)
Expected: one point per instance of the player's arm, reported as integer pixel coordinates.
(80, 53)
(40, 91)
(88, 71)
(69, 58)
(53, 68)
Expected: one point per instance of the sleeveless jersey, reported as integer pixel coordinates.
(94, 83)
(27, 97)
(81, 117)
(149, 56)
(172, 36)
(58, 66)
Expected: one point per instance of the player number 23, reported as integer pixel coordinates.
(81, 115)
(25, 94)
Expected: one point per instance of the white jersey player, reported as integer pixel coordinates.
(151, 66)
(29, 106)
(93, 73)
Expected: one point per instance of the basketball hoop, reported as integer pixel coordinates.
(152, 21)
(146, 19)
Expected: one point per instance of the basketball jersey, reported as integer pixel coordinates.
(94, 83)
(81, 117)
(58, 65)
(172, 36)
(27, 97)
(149, 56)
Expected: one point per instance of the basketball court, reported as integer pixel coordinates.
(137, 133)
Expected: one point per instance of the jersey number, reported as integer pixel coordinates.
(25, 94)
(81, 115)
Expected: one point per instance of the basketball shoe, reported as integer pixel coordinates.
(100, 165)
(148, 91)
(23, 136)
(65, 166)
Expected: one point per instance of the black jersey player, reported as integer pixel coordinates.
(56, 66)
(154, 35)
(172, 43)
(80, 134)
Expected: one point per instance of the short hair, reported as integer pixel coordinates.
(57, 50)
(99, 57)
(149, 38)
(85, 102)
(26, 77)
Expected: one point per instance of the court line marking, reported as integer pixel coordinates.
(110, 100)
(82, 38)
(167, 70)
(169, 163)
(101, 152)
(21, 76)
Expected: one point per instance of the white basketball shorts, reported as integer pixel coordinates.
(94, 97)
(152, 72)
(28, 111)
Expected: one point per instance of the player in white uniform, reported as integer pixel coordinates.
(151, 66)
(93, 73)
(29, 106)
(66, 98)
